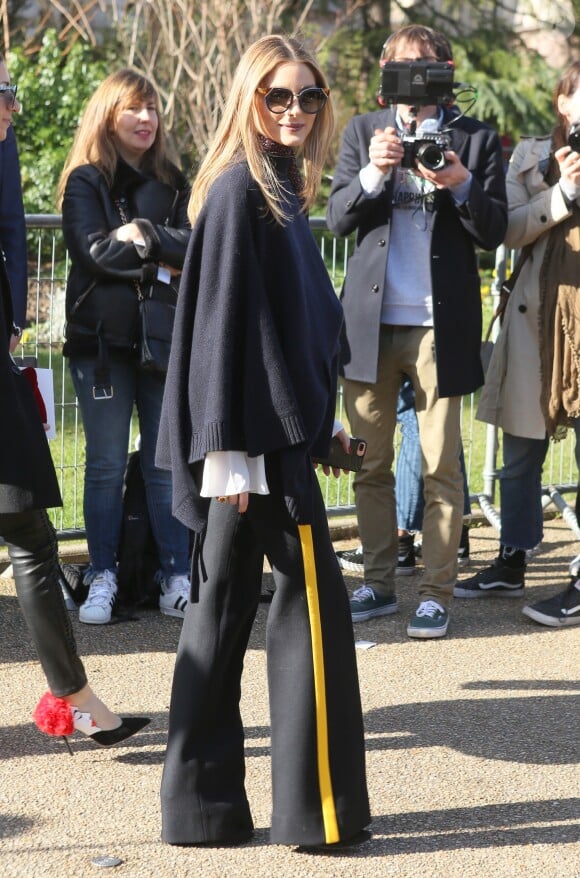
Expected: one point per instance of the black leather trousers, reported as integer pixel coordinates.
(32, 546)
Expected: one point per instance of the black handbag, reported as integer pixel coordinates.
(157, 315)
(110, 309)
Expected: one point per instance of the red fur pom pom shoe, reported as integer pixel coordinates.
(55, 716)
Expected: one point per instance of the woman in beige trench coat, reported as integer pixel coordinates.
(533, 383)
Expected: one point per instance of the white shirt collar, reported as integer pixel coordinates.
(402, 126)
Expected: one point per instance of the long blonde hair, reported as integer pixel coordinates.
(94, 142)
(237, 135)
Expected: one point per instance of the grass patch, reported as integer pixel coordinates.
(47, 280)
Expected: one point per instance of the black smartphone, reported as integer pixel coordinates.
(341, 459)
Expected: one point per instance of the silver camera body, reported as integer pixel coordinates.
(428, 149)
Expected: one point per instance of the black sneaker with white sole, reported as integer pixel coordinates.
(560, 611)
(366, 603)
(499, 580)
(462, 551)
(351, 559)
(405, 556)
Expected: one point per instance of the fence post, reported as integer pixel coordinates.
(491, 434)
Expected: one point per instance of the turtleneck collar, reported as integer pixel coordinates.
(287, 154)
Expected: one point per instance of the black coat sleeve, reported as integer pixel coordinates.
(13, 226)
(90, 215)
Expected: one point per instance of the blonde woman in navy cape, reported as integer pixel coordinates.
(249, 400)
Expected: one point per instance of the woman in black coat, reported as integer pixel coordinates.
(250, 400)
(28, 485)
(124, 220)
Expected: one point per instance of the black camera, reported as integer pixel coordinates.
(574, 137)
(419, 83)
(429, 149)
(416, 83)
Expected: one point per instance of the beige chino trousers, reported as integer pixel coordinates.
(372, 413)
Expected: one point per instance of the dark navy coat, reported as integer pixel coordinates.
(27, 476)
(254, 354)
(13, 226)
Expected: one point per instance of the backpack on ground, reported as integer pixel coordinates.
(137, 556)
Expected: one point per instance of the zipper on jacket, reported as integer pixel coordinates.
(83, 296)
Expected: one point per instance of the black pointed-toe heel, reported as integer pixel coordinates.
(130, 725)
(55, 716)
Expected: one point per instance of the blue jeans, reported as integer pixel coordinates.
(520, 481)
(107, 424)
(408, 472)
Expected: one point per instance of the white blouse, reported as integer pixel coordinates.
(232, 472)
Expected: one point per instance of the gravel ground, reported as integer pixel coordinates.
(471, 740)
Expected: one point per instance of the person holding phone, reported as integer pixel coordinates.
(245, 410)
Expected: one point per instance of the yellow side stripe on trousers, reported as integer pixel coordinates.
(324, 779)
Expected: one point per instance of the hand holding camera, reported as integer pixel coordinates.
(385, 150)
(439, 165)
(568, 158)
(416, 85)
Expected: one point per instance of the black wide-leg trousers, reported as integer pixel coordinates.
(33, 551)
(318, 766)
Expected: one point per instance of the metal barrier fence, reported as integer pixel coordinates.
(48, 269)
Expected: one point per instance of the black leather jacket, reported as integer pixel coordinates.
(104, 271)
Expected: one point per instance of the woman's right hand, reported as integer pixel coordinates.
(128, 232)
(385, 149)
(569, 162)
(239, 500)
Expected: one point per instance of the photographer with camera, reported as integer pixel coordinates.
(532, 388)
(412, 302)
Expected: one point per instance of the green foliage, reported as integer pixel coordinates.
(514, 84)
(53, 86)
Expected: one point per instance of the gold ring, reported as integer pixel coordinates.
(221, 499)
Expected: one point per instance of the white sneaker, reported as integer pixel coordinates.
(98, 606)
(575, 567)
(174, 596)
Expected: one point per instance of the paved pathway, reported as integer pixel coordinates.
(472, 749)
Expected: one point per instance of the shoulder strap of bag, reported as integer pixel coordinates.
(507, 287)
(120, 205)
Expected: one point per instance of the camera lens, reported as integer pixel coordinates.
(574, 137)
(431, 156)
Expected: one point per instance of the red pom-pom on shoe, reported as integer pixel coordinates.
(53, 715)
